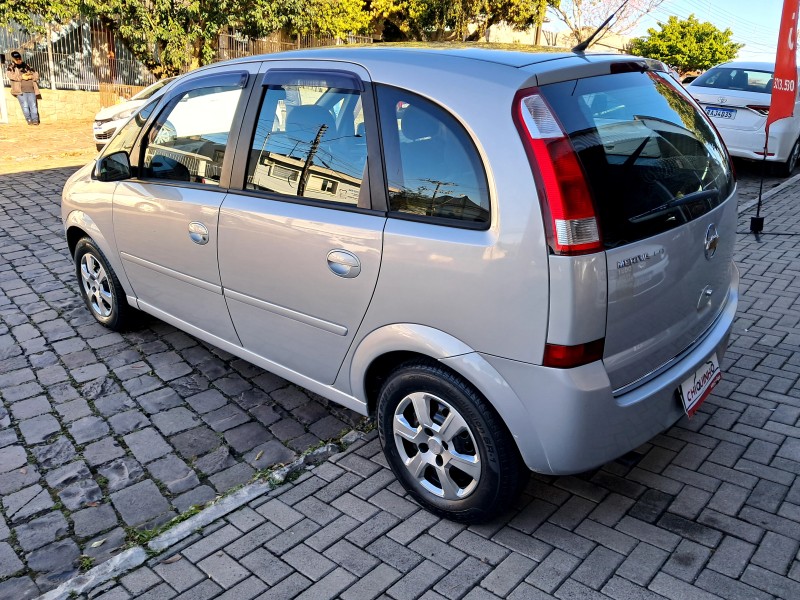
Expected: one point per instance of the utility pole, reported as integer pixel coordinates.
(301, 185)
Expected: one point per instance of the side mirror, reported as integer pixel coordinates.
(113, 167)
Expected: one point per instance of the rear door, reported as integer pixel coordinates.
(300, 242)
(663, 187)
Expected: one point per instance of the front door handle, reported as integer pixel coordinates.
(198, 233)
(344, 263)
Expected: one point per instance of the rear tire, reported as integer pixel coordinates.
(100, 288)
(785, 169)
(446, 445)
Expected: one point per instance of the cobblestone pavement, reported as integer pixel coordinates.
(101, 431)
(709, 509)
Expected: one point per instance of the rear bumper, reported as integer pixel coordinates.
(578, 423)
(747, 144)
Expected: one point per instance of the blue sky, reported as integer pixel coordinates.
(754, 23)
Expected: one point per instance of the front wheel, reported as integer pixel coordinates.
(100, 288)
(447, 445)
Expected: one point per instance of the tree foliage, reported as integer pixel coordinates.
(687, 45)
(583, 17)
(438, 20)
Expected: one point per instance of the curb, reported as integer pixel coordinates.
(769, 193)
(134, 557)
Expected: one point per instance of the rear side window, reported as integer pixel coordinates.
(746, 80)
(432, 167)
(651, 159)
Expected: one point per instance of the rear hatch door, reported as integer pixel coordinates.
(664, 194)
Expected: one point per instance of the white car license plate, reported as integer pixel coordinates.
(721, 113)
(696, 388)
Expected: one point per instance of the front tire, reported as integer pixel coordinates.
(100, 288)
(446, 444)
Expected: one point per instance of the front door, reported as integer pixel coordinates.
(165, 221)
(300, 244)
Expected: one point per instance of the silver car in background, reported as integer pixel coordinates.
(513, 261)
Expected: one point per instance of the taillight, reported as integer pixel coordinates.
(567, 357)
(567, 204)
(760, 109)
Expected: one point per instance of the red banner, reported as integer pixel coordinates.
(784, 88)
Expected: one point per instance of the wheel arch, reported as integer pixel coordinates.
(380, 352)
(78, 225)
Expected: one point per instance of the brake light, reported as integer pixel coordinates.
(567, 204)
(760, 109)
(567, 357)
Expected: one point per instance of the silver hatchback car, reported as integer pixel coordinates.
(514, 261)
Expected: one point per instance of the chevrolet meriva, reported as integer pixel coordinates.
(514, 261)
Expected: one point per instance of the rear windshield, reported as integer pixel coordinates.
(652, 160)
(747, 80)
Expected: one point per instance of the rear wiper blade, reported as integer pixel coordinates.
(699, 196)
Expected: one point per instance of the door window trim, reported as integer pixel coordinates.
(242, 78)
(374, 176)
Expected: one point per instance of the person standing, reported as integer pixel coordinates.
(24, 86)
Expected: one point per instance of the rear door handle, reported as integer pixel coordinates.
(198, 233)
(344, 263)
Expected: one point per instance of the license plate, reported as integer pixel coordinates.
(696, 388)
(721, 113)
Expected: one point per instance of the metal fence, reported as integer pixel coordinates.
(81, 55)
(86, 55)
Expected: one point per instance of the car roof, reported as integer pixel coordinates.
(448, 55)
(748, 64)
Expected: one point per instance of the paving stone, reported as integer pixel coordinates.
(146, 445)
(461, 579)
(159, 400)
(59, 452)
(222, 569)
(26, 503)
(227, 417)
(215, 461)
(139, 503)
(140, 580)
(14, 481)
(39, 532)
(174, 474)
(175, 420)
(308, 562)
(207, 401)
(270, 454)
(231, 477)
(195, 442)
(39, 429)
(9, 563)
(12, 457)
(180, 575)
(121, 473)
(198, 496)
(33, 407)
(80, 494)
(19, 588)
(246, 437)
(73, 410)
(128, 421)
(55, 562)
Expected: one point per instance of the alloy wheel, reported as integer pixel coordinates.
(436, 446)
(97, 286)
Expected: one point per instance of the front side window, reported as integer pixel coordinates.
(432, 166)
(310, 140)
(126, 136)
(188, 139)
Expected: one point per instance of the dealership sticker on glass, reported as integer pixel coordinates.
(721, 113)
(696, 388)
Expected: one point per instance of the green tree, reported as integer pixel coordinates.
(687, 45)
(441, 20)
(173, 35)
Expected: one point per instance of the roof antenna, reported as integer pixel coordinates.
(585, 43)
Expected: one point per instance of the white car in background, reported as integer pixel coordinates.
(111, 118)
(736, 95)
